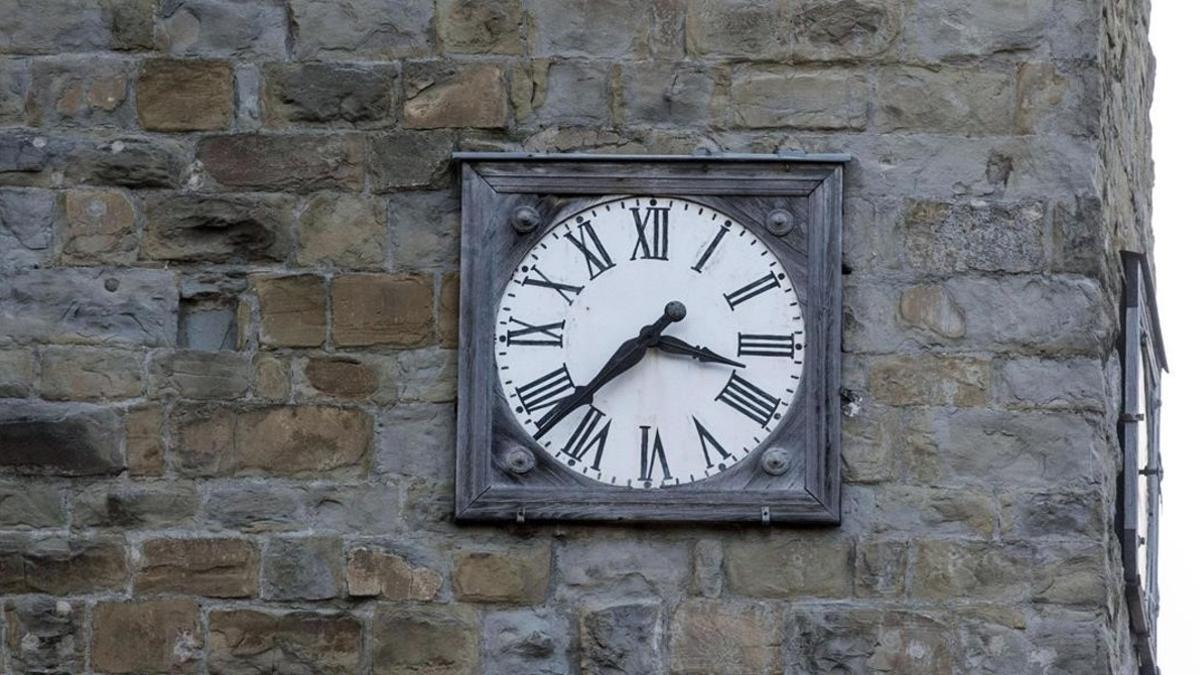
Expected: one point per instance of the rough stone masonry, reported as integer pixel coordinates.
(228, 254)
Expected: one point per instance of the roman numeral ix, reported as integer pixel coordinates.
(652, 233)
(598, 261)
(588, 435)
(748, 399)
(757, 287)
(546, 390)
(547, 335)
(751, 344)
(707, 441)
(544, 282)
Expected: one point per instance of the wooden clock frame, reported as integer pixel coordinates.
(792, 203)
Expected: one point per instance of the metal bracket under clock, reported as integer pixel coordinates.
(791, 202)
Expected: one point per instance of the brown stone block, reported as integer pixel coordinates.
(437, 641)
(292, 310)
(714, 638)
(480, 26)
(185, 95)
(218, 228)
(931, 380)
(99, 228)
(447, 95)
(215, 568)
(513, 576)
(247, 641)
(85, 374)
(378, 573)
(287, 163)
(346, 231)
(59, 566)
(383, 310)
(448, 311)
(154, 636)
(272, 377)
(816, 566)
(342, 377)
(143, 441)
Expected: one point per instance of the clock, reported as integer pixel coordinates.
(649, 338)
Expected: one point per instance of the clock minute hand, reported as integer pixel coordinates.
(627, 356)
(673, 345)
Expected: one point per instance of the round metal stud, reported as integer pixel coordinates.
(519, 461)
(776, 461)
(779, 222)
(525, 219)
(675, 310)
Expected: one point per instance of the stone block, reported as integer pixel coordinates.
(737, 28)
(440, 95)
(199, 375)
(283, 163)
(75, 374)
(525, 641)
(60, 439)
(62, 566)
(961, 381)
(272, 377)
(814, 566)
(382, 310)
(931, 309)
(1068, 384)
(979, 570)
(837, 30)
(960, 511)
(54, 26)
(407, 160)
(440, 640)
(606, 28)
(417, 440)
(44, 635)
(345, 231)
(90, 306)
(301, 441)
(303, 569)
(31, 505)
(957, 100)
(666, 93)
(448, 299)
(329, 95)
(881, 568)
(840, 639)
(132, 23)
(390, 575)
(143, 441)
(621, 639)
(214, 568)
(14, 88)
(975, 27)
(1053, 514)
(708, 561)
(100, 227)
(976, 236)
(520, 577)
(723, 638)
(186, 95)
(292, 310)
(480, 26)
(80, 91)
(363, 508)
(342, 377)
(169, 637)
(871, 445)
(625, 570)
(566, 93)
(136, 506)
(229, 28)
(425, 227)
(1073, 574)
(775, 96)
(373, 30)
(17, 373)
(245, 641)
(133, 162)
(27, 222)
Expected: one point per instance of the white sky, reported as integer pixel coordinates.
(1176, 102)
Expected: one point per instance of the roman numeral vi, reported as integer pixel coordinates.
(653, 453)
(587, 436)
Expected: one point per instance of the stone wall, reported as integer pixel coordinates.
(228, 253)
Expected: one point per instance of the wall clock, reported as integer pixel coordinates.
(650, 338)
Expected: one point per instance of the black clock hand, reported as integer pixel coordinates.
(673, 345)
(627, 356)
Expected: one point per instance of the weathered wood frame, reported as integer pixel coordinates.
(1143, 360)
(745, 186)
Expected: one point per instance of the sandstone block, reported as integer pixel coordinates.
(168, 633)
(44, 635)
(871, 446)
(328, 95)
(27, 222)
(283, 163)
(446, 95)
(143, 441)
(524, 641)
(426, 227)
(979, 570)
(272, 377)
(346, 231)
(199, 375)
(185, 95)
(31, 505)
(304, 569)
(60, 439)
(441, 641)
(515, 577)
(816, 566)
(364, 30)
(667, 93)
(480, 26)
(448, 299)
(293, 441)
(622, 570)
(252, 30)
(416, 440)
(725, 638)
(132, 24)
(342, 377)
(931, 380)
(215, 568)
(99, 228)
(14, 87)
(606, 28)
(881, 568)
(292, 310)
(736, 28)
(1071, 574)
(621, 639)
(406, 160)
(84, 374)
(17, 373)
(958, 100)
(136, 506)
(382, 310)
(975, 236)
(868, 640)
(248, 641)
(90, 306)
(133, 162)
(373, 572)
(931, 308)
(772, 96)
(80, 91)
(62, 566)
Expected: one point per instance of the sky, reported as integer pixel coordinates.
(1176, 100)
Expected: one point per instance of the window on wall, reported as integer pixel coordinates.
(1143, 363)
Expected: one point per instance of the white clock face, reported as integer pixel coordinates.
(617, 388)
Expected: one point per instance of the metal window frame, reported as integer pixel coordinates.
(1143, 361)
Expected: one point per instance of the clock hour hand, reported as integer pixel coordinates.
(627, 356)
(673, 345)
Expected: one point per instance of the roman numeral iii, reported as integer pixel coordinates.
(598, 261)
(546, 335)
(653, 453)
(652, 233)
(588, 435)
(757, 287)
(748, 399)
(546, 390)
(751, 344)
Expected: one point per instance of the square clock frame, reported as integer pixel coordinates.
(792, 204)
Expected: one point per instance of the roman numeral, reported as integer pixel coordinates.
(653, 454)
(757, 287)
(712, 246)
(597, 258)
(750, 344)
(587, 436)
(707, 440)
(651, 245)
(546, 390)
(748, 399)
(544, 282)
(547, 335)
